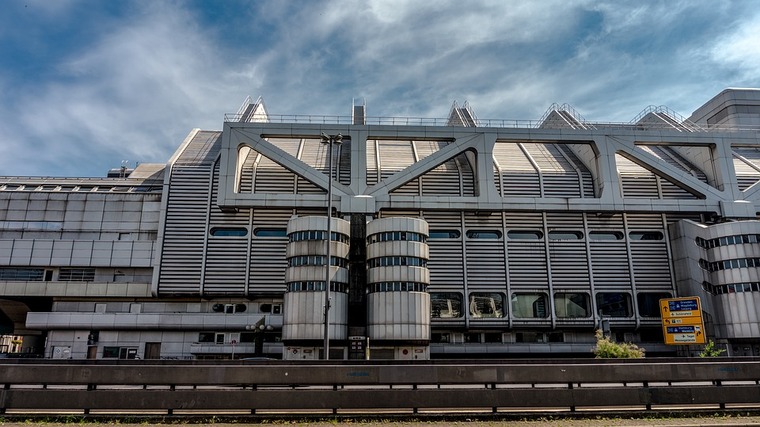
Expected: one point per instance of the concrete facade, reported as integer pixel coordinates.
(534, 232)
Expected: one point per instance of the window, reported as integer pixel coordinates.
(529, 305)
(484, 234)
(229, 231)
(206, 337)
(300, 236)
(76, 274)
(645, 235)
(572, 305)
(605, 235)
(444, 234)
(565, 235)
(525, 234)
(22, 274)
(649, 303)
(446, 305)
(389, 236)
(312, 285)
(486, 305)
(270, 232)
(614, 304)
(111, 352)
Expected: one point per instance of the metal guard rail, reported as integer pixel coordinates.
(320, 388)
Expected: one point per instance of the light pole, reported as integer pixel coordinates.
(329, 140)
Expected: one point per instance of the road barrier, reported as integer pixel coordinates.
(197, 387)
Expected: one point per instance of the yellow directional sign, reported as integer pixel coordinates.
(682, 321)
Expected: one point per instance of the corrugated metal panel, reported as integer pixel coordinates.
(519, 175)
(394, 157)
(184, 230)
(560, 179)
(527, 265)
(268, 263)
(225, 256)
(570, 267)
(746, 174)
(446, 263)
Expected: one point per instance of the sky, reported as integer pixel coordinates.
(87, 84)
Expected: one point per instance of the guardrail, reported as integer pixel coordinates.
(33, 387)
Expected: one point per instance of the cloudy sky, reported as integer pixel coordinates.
(85, 84)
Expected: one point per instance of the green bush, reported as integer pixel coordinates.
(711, 351)
(606, 349)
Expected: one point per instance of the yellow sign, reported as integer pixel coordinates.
(682, 321)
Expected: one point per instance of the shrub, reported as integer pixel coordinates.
(606, 349)
(711, 351)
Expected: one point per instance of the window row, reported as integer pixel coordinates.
(388, 236)
(729, 264)
(388, 261)
(731, 288)
(243, 231)
(536, 305)
(316, 285)
(300, 236)
(397, 287)
(65, 274)
(738, 239)
(316, 260)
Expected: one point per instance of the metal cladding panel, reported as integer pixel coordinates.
(304, 315)
(446, 263)
(520, 178)
(747, 168)
(560, 178)
(226, 256)
(185, 229)
(527, 264)
(395, 156)
(398, 316)
(637, 181)
(267, 263)
(609, 265)
(569, 265)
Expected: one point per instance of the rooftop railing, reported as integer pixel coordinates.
(495, 123)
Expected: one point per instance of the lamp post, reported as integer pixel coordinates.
(329, 140)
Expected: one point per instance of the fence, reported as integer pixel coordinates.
(175, 388)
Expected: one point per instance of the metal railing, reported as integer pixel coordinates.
(197, 387)
(495, 123)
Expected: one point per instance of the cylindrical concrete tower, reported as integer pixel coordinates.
(398, 305)
(304, 303)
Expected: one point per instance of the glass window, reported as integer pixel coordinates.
(565, 235)
(270, 232)
(645, 235)
(615, 304)
(111, 352)
(484, 234)
(22, 274)
(525, 234)
(572, 305)
(76, 274)
(530, 305)
(446, 305)
(206, 337)
(649, 303)
(229, 231)
(486, 305)
(605, 235)
(444, 234)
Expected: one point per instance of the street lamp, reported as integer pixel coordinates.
(329, 140)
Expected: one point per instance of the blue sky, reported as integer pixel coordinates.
(85, 84)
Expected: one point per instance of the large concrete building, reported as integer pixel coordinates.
(449, 238)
